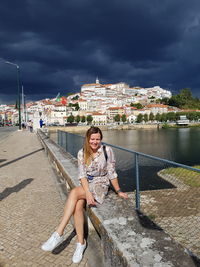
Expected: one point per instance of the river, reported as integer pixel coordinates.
(177, 144)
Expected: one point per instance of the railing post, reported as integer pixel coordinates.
(62, 138)
(137, 192)
(58, 137)
(66, 141)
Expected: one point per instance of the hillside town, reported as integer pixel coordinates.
(99, 102)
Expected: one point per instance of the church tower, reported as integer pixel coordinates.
(97, 80)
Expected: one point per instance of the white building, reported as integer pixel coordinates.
(157, 108)
(83, 104)
(99, 118)
(131, 118)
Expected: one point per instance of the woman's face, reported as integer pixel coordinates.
(95, 141)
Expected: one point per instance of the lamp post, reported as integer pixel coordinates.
(18, 86)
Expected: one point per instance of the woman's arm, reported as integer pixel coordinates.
(115, 184)
(89, 197)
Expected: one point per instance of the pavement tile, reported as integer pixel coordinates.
(31, 206)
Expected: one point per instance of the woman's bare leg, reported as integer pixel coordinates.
(79, 220)
(76, 194)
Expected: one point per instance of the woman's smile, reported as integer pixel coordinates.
(95, 141)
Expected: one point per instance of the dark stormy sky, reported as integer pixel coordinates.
(60, 45)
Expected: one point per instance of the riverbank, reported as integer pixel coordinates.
(83, 128)
(174, 125)
(180, 177)
(139, 126)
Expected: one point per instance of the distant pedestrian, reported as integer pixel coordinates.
(41, 123)
(96, 165)
(23, 125)
(30, 126)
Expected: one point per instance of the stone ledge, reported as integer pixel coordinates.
(128, 238)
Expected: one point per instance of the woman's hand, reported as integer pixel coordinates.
(123, 195)
(90, 199)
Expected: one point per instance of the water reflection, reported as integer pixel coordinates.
(181, 145)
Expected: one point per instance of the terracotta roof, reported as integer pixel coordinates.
(190, 110)
(156, 106)
(115, 108)
(47, 102)
(97, 113)
(91, 84)
(59, 105)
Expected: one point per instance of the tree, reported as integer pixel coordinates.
(193, 116)
(186, 94)
(137, 105)
(163, 117)
(70, 119)
(117, 118)
(83, 119)
(151, 117)
(158, 117)
(76, 105)
(171, 116)
(123, 118)
(146, 117)
(158, 101)
(139, 118)
(164, 101)
(75, 97)
(89, 119)
(177, 115)
(78, 118)
(184, 100)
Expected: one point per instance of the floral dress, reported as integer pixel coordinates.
(99, 172)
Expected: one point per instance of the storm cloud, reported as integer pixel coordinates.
(60, 45)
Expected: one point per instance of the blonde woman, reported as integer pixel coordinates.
(96, 165)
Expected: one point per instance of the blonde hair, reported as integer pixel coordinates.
(88, 153)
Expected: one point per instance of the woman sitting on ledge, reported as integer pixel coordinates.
(96, 165)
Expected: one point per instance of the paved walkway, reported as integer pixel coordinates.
(30, 206)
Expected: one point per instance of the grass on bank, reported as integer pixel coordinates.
(188, 177)
(167, 126)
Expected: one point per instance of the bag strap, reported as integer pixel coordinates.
(105, 152)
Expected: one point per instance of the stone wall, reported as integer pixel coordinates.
(128, 238)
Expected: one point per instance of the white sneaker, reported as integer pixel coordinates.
(52, 242)
(78, 254)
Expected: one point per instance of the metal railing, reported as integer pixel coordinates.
(166, 191)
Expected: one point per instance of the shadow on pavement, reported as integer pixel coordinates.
(26, 155)
(2, 160)
(64, 244)
(15, 189)
(196, 260)
(146, 222)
